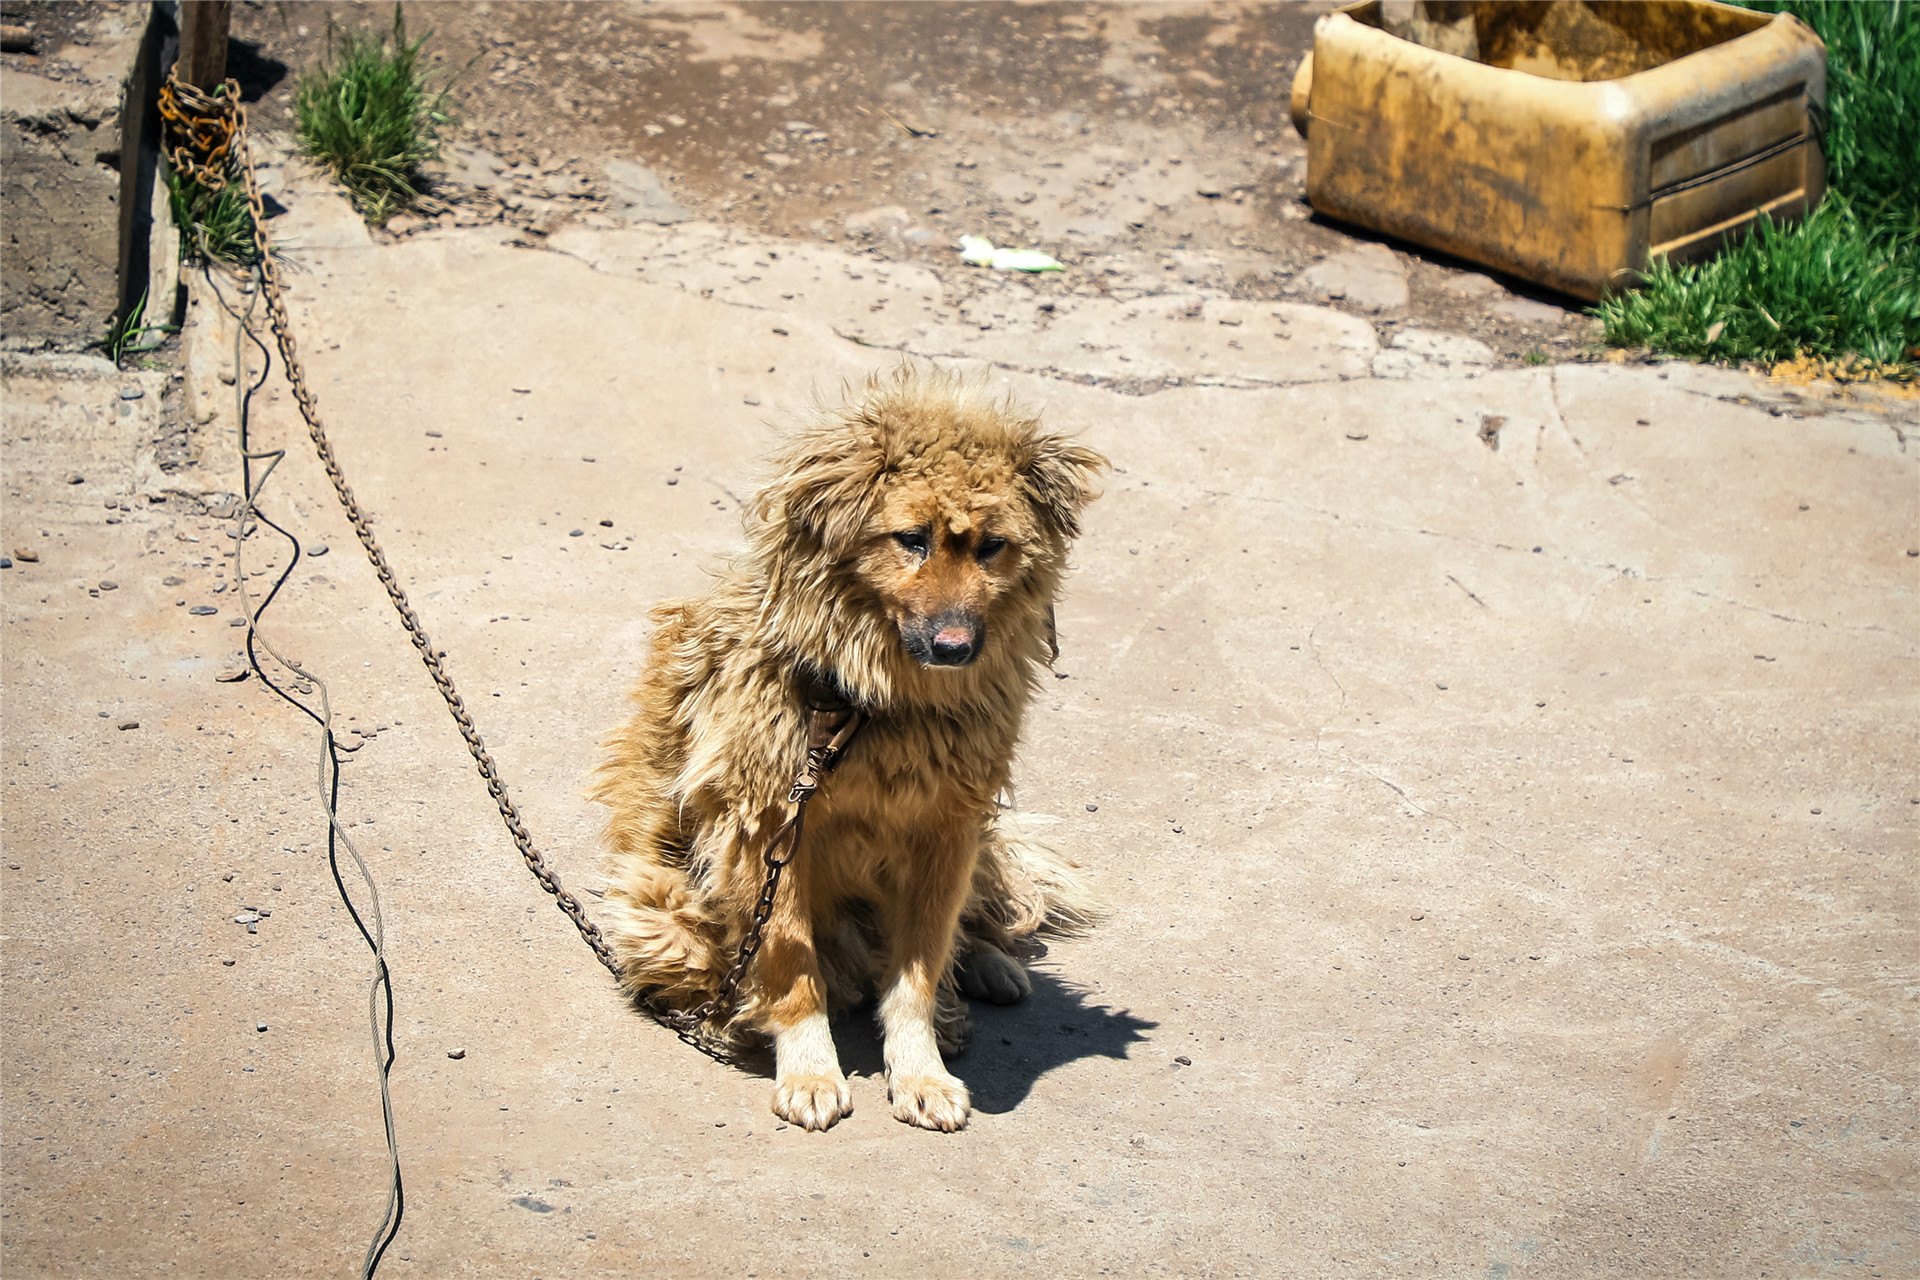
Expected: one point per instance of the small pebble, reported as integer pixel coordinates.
(171, 581)
(606, 524)
(577, 533)
(228, 963)
(203, 611)
(232, 675)
(131, 393)
(750, 400)
(456, 1054)
(129, 724)
(317, 549)
(584, 458)
(434, 434)
(73, 477)
(237, 622)
(673, 480)
(6, 562)
(26, 557)
(1093, 808)
(1184, 1060)
(1815, 811)
(259, 1026)
(246, 917)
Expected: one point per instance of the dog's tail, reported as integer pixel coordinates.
(667, 947)
(1023, 886)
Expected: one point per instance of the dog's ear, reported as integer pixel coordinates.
(1058, 478)
(824, 492)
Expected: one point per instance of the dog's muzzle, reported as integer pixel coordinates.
(946, 640)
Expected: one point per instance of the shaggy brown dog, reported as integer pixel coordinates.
(907, 552)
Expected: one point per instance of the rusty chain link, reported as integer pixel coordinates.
(201, 128)
(215, 126)
(829, 729)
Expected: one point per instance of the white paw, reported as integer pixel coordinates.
(812, 1100)
(930, 1102)
(990, 974)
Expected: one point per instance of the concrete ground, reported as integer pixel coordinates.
(1503, 781)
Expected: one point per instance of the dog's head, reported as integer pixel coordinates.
(950, 509)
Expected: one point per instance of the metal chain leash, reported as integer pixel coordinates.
(829, 729)
(217, 123)
(204, 126)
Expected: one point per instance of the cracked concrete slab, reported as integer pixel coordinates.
(1424, 354)
(1510, 848)
(1368, 276)
(1149, 339)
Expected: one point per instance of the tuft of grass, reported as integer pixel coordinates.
(371, 118)
(215, 225)
(1842, 288)
(1873, 93)
(130, 334)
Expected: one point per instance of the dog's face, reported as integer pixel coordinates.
(952, 509)
(939, 571)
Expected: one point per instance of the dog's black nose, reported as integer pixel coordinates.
(953, 647)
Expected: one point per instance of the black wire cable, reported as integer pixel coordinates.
(380, 992)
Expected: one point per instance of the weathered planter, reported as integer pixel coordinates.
(1567, 143)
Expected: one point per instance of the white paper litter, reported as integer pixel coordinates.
(978, 251)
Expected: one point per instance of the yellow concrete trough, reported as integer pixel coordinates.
(1567, 143)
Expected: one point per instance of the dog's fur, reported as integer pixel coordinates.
(871, 563)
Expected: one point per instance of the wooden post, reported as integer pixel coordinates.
(139, 160)
(203, 42)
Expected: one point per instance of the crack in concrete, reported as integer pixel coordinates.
(1469, 590)
(1119, 386)
(1799, 622)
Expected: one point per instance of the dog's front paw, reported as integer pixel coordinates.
(812, 1100)
(990, 974)
(930, 1102)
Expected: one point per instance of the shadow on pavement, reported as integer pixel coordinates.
(1013, 1045)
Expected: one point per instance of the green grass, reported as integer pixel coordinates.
(372, 118)
(1872, 137)
(213, 224)
(1841, 288)
(130, 334)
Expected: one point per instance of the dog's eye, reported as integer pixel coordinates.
(991, 547)
(913, 540)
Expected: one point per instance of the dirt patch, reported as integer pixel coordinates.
(1135, 143)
